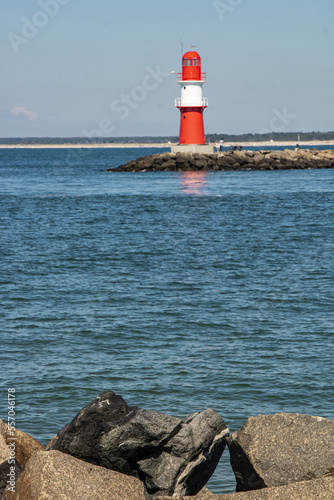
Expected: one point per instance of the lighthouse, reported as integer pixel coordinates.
(191, 105)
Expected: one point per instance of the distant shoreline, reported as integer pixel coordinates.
(86, 146)
(159, 145)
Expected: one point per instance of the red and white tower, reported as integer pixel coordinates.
(191, 103)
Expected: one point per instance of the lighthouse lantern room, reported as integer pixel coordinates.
(191, 105)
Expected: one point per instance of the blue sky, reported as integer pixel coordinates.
(84, 68)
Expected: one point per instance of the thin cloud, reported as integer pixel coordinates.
(21, 111)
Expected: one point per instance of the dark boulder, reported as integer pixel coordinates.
(170, 455)
(169, 165)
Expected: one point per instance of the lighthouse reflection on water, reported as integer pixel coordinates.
(193, 182)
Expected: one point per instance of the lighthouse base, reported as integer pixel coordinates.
(192, 148)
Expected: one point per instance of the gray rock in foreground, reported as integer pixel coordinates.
(170, 455)
(24, 447)
(52, 475)
(274, 450)
(317, 489)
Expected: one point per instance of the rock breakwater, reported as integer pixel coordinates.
(113, 451)
(231, 160)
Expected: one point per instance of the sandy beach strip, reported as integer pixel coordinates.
(161, 145)
(280, 143)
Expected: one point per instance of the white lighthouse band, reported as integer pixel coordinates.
(191, 95)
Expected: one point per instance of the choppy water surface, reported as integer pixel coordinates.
(180, 291)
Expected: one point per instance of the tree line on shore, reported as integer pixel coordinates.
(275, 136)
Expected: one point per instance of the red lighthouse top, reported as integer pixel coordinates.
(191, 66)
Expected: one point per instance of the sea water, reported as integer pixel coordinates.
(179, 291)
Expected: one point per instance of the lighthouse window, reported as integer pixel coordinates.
(185, 61)
(194, 61)
(190, 62)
